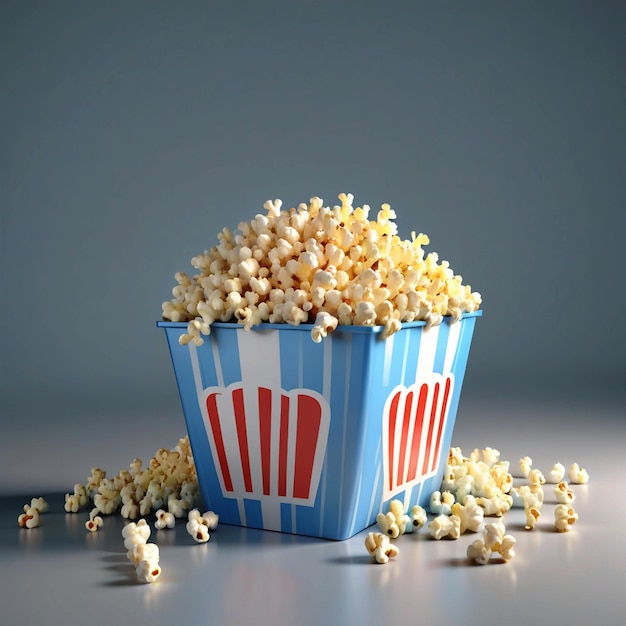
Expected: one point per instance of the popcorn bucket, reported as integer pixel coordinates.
(317, 438)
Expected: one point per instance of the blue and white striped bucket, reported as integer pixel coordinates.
(317, 438)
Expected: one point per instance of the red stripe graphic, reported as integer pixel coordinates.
(431, 426)
(308, 426)
(406, 422)
(265, 434)
(282, 446)
(444, 405)
(393, 414)
(417, 432)
(242, 437)
(214, 420)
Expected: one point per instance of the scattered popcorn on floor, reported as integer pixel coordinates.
(169, 479)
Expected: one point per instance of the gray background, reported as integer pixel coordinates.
(131, 132)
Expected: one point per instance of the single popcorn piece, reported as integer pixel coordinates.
(563, 494)
(39, 504)
(29, 518)
(448, 526)
(319, 265)
(556, 474)
(134, 530)
(497, 505)
(506, 547)
(470, 514)
(94, 522)
(525, 464)
(564, 517)
(532, 517)
(380, 547)
(478, 552)
(140, 551)
(578, 475)
(441, 503)
(208, 518)
(148, 571)
(199, 531)
(417, 519)
(396, 521)
(164, 519)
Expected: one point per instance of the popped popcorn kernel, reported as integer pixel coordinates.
(148, 571)
(199, 531)
(380, 547)
(164, 519)
(441, 502)
(29, 518)
(564, 517)
(525, 464)
(563, 494)
(445, 526)
(577, 475)
(556, 473)
(417, 519)
(94, 522)
(394, 522)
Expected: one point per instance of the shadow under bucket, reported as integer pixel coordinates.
(316, 438)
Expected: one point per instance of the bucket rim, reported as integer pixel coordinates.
(235, 325)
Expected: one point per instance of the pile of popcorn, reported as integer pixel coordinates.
(168, 480)
(474, 487)
(319, 265)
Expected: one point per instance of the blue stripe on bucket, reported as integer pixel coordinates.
(442, 344)
(227, 347)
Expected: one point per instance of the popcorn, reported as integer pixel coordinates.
(577, 474)
(497, 505)
(164, 519)
(94, 522)
(170, 476)
(143, 551)
(380, 547)
(148, 571)
(198, 530)
(136, 529)
(470, 514)
(532, 517)
(209, 518)
(445, 526)
(417, 518)
(564, 517)
(30, 518)
(556, 474)
(396, 521)
(477, 551)
(563, 494)
(319, 265)
(39, 504)
(525, 464)
(441, 503)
